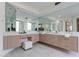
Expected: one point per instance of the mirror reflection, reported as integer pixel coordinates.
(19, 20)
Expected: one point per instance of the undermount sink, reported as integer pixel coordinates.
(67, 35)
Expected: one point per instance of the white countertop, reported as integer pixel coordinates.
(62, 33)
(16, 33)
(43, 32)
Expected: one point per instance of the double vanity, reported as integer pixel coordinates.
(60, 40)
(65, 41)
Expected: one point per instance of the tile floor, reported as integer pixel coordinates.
(42, 50)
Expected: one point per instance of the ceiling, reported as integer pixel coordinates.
(39, 7)
(45, 10)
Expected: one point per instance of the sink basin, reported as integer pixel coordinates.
(67, 35)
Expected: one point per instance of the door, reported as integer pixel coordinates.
(77, 24)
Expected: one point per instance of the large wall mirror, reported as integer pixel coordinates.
(24, 25)
(10, 18)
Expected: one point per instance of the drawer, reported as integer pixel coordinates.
(23, 36)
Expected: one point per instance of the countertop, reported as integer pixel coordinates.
(43, 32)
(16, 33)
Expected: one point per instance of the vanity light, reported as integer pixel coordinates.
(57, 21)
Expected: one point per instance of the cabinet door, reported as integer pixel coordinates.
(35, 38)
(41, 37)
(46, 38)
(5, 46)
(49, 38)
(16, 41)
(23, 36)
(61, 41)
(13, 41)
(53, 39)
(72, 43)
(9, 42)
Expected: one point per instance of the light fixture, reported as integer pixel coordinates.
(57, 21)
(56, 3)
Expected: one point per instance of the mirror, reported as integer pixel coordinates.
(60, 25)
(10, 18)
(17, 21)
(68, 26)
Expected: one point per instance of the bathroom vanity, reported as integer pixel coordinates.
(55, 39)
(14, 40)
(68, 43)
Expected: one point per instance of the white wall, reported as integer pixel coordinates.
(2, 21)
(2, 28)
